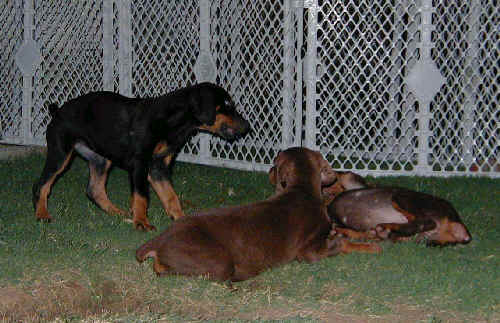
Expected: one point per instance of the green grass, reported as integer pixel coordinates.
(86, 257)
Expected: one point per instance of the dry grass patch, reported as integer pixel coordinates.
(68, 295)
(72, 295)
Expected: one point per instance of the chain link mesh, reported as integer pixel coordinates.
(466, 135)
(70, 37)
(367, 115)
(165, 45)
(11, 37)
(116, 61)
(364, 116)
(249, 47)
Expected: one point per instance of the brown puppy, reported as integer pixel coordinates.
(237, 243)
(393, 213)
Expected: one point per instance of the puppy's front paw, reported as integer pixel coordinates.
(142, 226)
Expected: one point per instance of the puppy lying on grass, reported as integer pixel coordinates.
(393, 213)
(236, 243)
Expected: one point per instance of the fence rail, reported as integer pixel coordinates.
(382, 87)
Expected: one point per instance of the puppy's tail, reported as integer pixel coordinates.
(53, 108)
(145, 251)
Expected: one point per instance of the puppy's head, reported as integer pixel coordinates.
(346, 181)
(213, 107)
(300, 165)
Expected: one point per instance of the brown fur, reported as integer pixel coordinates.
(237, 243)
(394, 213)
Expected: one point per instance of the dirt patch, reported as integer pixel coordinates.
(15, 304)
(71, 298)
(75, 296)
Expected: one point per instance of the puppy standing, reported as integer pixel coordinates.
(141, 136)
(237, 243)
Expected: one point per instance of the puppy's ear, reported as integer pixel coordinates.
(328, 175)
(202, 104)
(351, 180)
(276, 175)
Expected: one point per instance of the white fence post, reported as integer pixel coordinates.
(204, 68)
(287, 78)
(390, 150)
(471, 76)
(292, 62)
(107, 45)
(310, 74)
(27, 59)
(125, 47)
(299, 82)
(424, 81)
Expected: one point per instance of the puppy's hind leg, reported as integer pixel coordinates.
(59, 153)
(196, 253)
(146, 251)
(339, 244)
(98, 175)
(348, 247)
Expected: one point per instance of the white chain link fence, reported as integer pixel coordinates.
(379, 86)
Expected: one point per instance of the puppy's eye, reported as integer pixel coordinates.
(228, 103)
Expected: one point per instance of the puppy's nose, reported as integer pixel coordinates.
(245, 127)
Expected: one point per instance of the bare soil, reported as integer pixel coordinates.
(110, 300)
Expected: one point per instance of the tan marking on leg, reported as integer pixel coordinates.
(98, 191)
(42, 212)
(352, 234)
(168, 197)
(348, 247)
(390, 226)
(159, 268)
(409, 216)
(167, 160)
(139, 210)
(384, 230)
(402, 239)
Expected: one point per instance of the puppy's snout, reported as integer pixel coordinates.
(235, 128)
(244, 127)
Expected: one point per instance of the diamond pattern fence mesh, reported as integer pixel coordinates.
(379, 86)
(11, 37)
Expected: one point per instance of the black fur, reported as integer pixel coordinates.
(105, 126)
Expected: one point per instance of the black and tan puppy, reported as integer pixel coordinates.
(140, 135)
(393, 213)
(237, 243)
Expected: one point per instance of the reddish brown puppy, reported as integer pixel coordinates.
(394, 213)
(237, 243)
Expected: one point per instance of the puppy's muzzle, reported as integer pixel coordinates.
(235, 130)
